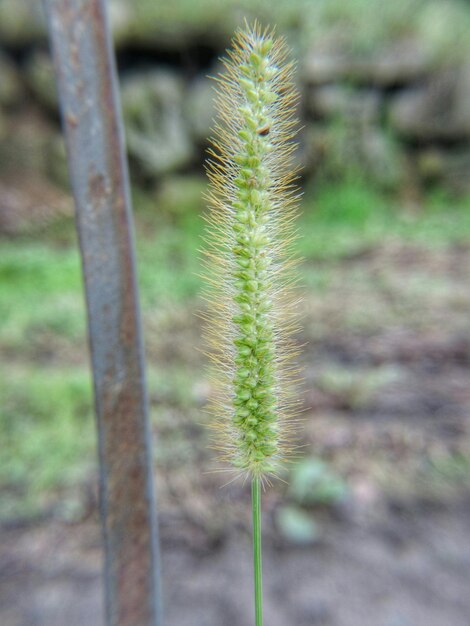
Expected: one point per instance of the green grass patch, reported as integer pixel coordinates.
(40, 293)
(342, 220)
(168, 262)
(47, 434)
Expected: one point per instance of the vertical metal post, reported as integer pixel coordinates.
(86, 77)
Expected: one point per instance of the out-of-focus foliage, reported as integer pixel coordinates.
(363, 25)
(46, 411)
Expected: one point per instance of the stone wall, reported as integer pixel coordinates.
(385, 100)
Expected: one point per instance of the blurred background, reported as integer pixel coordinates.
(372, 526)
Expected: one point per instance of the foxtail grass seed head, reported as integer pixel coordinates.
(248, 256)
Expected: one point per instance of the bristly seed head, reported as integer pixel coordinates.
(248, 254)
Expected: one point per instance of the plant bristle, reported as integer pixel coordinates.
(250, 268)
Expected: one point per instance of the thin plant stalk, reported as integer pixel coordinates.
(257, 555)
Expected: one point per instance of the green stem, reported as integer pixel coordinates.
(258, 567)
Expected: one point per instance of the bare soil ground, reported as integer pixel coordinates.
(411, 569)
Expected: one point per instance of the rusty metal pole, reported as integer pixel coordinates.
(87, 83)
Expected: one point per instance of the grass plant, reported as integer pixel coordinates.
(250, 265)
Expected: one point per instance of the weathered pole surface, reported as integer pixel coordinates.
(87, 84)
